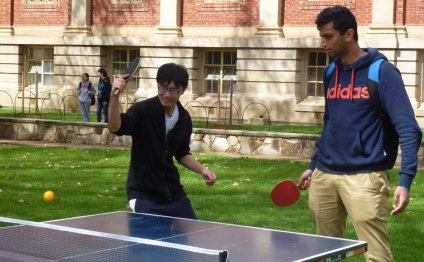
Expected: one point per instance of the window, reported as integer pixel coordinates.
(219, 71)
(316, 63)
(121, 59)
(41, 62)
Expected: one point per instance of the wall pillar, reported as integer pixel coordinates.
(170, 13)
(270, 19)
(383, 20)
(80, 18)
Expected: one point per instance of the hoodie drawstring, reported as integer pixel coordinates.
(337, 79)
(351, 85)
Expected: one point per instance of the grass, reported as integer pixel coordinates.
(51, 115)
(70, 116)
(92, 180)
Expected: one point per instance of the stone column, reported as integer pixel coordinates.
(6, 12)
(383, 17)
(80, 18)
(170, 13)
(270, 19)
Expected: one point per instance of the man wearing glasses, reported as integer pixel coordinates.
(160, 129)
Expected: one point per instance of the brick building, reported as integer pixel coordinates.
(265, 51)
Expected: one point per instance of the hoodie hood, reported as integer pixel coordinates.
(371, 55)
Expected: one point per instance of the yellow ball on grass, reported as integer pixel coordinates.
(48, 196)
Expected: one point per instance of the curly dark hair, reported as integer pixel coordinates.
(342, 18)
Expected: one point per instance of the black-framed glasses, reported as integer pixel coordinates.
(173, 90)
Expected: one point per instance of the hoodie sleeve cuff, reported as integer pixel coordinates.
(405, 181)
(312, 164)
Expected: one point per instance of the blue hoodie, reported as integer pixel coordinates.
(352, 138)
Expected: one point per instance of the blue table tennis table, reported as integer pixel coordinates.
(126, 236)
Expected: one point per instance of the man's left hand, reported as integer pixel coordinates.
(400, 200)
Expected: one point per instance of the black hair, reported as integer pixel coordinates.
(342, 18)
(172, 72)
(86, 75)
(103, 71)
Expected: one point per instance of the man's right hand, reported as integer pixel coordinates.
(119, 84)
(305, 179)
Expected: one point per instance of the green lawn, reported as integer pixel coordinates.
(52, 115)
(92, 180)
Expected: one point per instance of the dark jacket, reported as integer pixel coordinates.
(152, 173)
(352, 139)
(104, 89)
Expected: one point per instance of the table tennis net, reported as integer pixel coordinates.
(31, 241)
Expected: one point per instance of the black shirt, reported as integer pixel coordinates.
(152, 173)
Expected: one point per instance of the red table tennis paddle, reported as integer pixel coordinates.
(285, 193)
(130, 71)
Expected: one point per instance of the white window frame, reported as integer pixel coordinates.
(314, 74)
(308, 102)
(42, 65)
(217, 76)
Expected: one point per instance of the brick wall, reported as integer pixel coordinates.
(298, 12)
(399, 12)
(414, 12)
(145, 12)
(5, 16)
(56, 12)
(201, 13)
(197, 12)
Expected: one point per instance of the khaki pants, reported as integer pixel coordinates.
(363, 197)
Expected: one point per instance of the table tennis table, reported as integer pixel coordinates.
(127, 236)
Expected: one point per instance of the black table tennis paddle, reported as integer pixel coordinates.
(129, 72)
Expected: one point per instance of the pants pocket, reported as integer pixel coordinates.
(380, 181)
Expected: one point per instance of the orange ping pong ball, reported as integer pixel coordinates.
(48, 196)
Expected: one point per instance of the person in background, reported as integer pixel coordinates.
(103, 95)
(348, 175)
(85, 89)
(160, 128)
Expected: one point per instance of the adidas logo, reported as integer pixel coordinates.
(345, 92)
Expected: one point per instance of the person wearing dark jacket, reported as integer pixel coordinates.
(103, 95)
(348, 174)
(160, 128)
